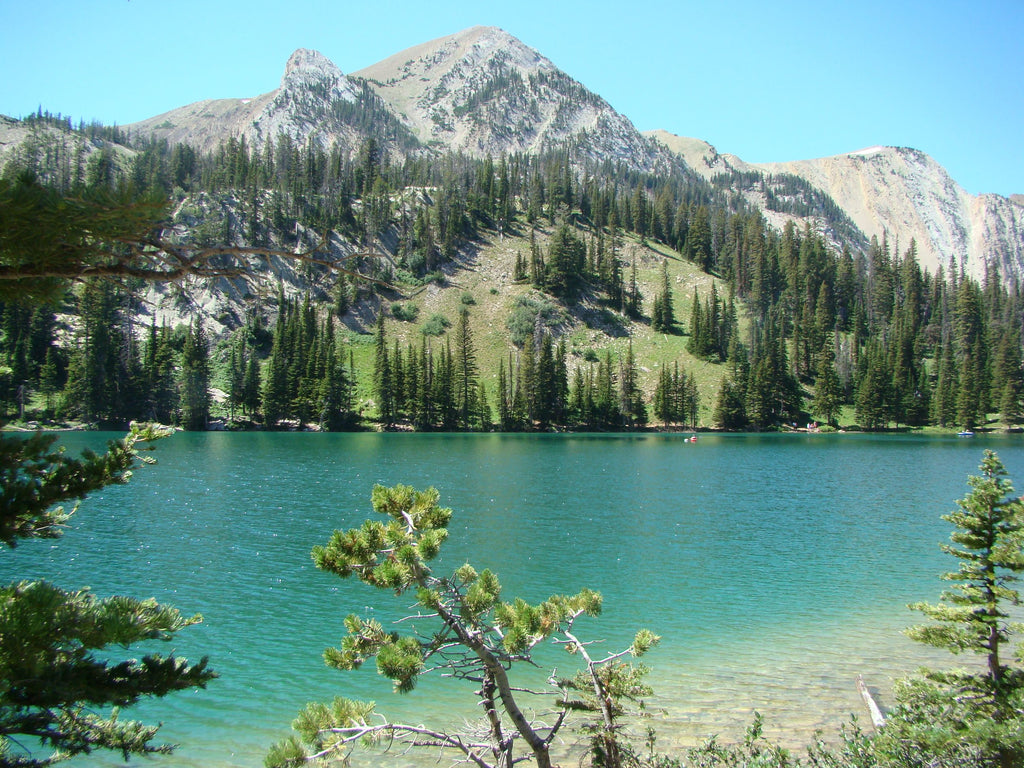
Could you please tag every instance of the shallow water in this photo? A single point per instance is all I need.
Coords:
(776, 568)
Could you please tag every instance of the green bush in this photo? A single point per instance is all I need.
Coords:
(524, 317)
(407, 313)
(436, 325)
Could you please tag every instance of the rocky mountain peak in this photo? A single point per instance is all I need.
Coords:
(307, 69)
(484, 92)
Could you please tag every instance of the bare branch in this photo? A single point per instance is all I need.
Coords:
(415, 733)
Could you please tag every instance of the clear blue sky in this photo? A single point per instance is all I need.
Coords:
(765, 81)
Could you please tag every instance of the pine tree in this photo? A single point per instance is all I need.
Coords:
(564, 263)
(444, 396)
(383, 384)
(874, 393)
(479, 638)
(334, 394)
(159, 378)
(632, 298)
(826, 386)
(663, 400)
(274, 401)
(662, 315)
(504, 399)
(60, 681)
(94, 369)
(545, 388)
(947, 384)
(422, 410)
(482, 416)
(466, 371)
(977, 713)
(195, 379)
(631, 396)
(251, 387)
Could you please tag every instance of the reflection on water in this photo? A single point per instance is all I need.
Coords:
(776, 568)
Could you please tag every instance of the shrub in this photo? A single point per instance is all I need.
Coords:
(436, 325)
(405, 312)
(526, 313)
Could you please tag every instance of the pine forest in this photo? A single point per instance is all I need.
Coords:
(517, 293)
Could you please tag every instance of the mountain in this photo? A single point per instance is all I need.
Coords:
(900, 193)
(315, 101)
(483, 92)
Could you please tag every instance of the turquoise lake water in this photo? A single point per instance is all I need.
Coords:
(777, 568)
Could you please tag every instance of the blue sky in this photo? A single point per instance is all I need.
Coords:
(765, 81)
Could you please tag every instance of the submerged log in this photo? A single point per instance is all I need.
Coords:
(877, 718)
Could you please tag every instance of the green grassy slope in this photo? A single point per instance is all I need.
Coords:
(481, 280)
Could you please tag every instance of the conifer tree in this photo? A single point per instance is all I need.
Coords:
(195, 379)
(275, 382)
(466, 372)
(564, 263)
(874, 394)
(478, 638)
(545, 387)
(95, 372)
(382, 377)
(632, 298)
(444, 388)
(159, 380)
(482, 416)
(946, 387)
(631, 397)
(972, 716)
(504, 399)
(730, 406)
(60, 681)
(662, 315)
(251, 387)
(425, 408)
(334, 394)
(826, 386)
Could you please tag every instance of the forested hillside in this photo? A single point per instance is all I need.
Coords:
(519, 292)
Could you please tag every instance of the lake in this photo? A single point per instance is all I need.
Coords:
(776, 568)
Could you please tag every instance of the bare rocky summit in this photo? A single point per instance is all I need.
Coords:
(483, 92)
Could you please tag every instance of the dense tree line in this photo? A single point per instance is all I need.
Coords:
(538, 387)
(873, 331)
(803, 330)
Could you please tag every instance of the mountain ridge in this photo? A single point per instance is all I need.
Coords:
(896, 192)
(483, 92)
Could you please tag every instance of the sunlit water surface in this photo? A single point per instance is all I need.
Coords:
(776, 568)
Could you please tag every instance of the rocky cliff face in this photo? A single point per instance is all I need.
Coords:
(906, 193)
(902, 193)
